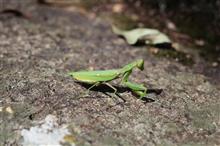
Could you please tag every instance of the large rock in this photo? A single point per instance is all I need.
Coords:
(37, 52)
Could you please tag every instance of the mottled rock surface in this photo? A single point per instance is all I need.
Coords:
(37, 52)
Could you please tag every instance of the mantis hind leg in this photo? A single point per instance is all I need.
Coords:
(115, 93)
(96, 84)
(115, 90)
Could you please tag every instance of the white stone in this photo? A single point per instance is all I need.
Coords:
(47, 133)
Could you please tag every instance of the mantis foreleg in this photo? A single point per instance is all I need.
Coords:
(125, 76)
(139, 89)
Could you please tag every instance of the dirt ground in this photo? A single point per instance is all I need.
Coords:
(39, 49)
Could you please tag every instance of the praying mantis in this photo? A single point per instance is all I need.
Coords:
(98, 77)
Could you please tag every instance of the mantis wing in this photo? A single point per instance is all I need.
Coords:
(95, 76)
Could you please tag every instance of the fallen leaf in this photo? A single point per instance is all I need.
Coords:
(118, 8)
(150, 36)
(1, 109)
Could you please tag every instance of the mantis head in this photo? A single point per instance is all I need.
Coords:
(140, 64)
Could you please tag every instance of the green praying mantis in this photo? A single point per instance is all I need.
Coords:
(98, 77)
